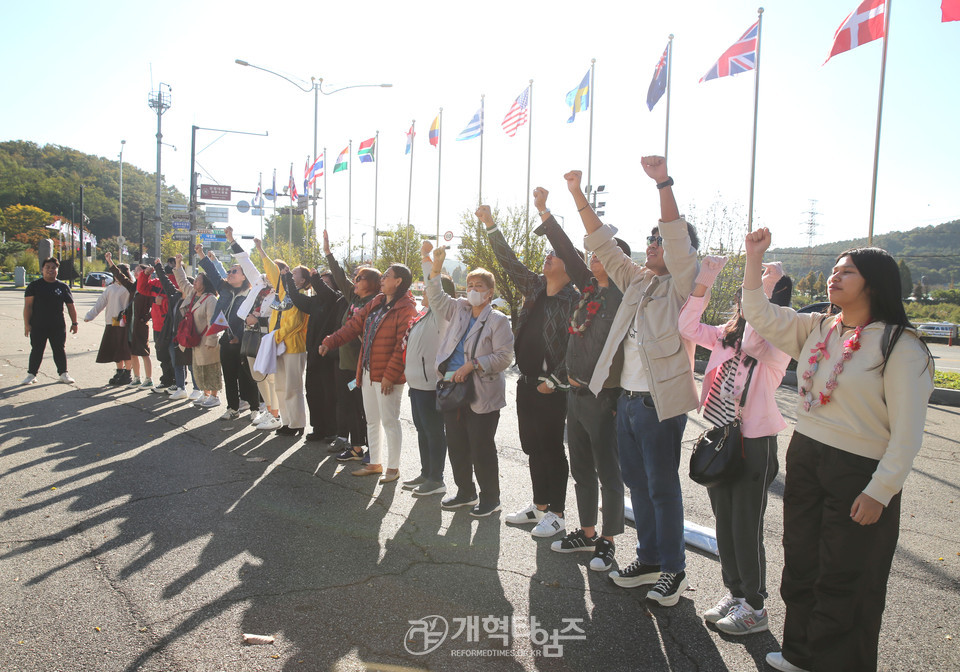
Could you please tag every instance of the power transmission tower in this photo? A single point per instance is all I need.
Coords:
(811, 231)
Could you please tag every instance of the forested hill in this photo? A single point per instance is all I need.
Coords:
(49, 178)
(931, 251)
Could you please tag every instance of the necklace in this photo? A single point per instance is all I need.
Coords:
(819, 353)
(592, 300)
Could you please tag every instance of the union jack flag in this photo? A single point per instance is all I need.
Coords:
(742, 56)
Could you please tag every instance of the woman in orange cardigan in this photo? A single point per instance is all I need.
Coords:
(382, 322)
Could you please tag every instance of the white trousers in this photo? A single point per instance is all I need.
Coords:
(289, 384)
(382, 410)
(267, 387)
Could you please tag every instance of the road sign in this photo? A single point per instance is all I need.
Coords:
(176, 207)
(217, 214)
(215, 192)
(181, 224)
(243, 206)
(210, 238)
(448, 236)
(182, 235)
(257, 212)
(203, 231)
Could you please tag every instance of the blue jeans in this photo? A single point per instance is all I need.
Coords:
(433, 441)
(179, 371)
(649, 462)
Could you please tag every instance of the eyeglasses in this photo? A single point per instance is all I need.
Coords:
(549, 253)
(655, 240)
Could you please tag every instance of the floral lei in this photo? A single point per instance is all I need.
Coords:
(850, 346)
(593, 301)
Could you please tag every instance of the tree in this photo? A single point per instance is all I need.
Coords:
(277, 228)
(918, 291)
(26, 219)
(906, 280)
(393, 246)
(820, 287)
(476, 252)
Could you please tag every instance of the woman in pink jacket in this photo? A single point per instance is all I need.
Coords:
(737, 351)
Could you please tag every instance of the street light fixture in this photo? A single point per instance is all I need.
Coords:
(120, 234)
(316, 85)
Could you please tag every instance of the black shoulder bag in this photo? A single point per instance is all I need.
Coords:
(718, 454)
(452, 395)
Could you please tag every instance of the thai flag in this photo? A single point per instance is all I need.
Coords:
(742, 56)
(315, 171)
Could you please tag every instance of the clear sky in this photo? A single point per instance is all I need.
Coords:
(79, 75)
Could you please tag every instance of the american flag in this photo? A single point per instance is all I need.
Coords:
(517, 114)
(862, 25)
(742, 56)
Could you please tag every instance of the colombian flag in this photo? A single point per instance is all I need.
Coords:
(579, 98)
(435, 131)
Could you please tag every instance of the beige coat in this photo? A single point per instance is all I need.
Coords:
(208, 352)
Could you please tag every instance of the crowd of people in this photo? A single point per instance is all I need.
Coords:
(604, 349)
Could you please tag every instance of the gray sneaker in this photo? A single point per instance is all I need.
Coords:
(428, 488)
(742, 620)
(459, 500)
(413, 483)
(722, 608)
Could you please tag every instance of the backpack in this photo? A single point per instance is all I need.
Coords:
(188, 336)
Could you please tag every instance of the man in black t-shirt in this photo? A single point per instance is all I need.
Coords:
(43, 320)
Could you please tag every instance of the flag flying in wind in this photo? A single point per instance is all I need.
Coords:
(658, 85)
(435, 131)
(258, 198)
(342, 160)
(306, 175)
(474, 129)
(862, 25)
(293, 187)
(315, 171)
(271, 194)
(517, 114)
(218, 325)
(366, 150)
(410, 136)
(950, 9)
(579, 98)
(741, 57)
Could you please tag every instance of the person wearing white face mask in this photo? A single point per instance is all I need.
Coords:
(478, 343)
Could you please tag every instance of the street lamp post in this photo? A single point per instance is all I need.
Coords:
(120, 233)
(316, 85)
(363, 247)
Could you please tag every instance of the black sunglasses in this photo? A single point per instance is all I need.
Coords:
(657, 240)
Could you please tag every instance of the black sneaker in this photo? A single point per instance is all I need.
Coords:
(338, 445)
(635, 574)
(350, 455)
(603, 555)
(668, 589)
(461, 499)
(484, 510)
(575, 541)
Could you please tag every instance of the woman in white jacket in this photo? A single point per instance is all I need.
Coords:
(478, 343)
(115, 345)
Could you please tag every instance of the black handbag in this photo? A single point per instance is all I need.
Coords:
(250, 342)
(452, 395)
(718, 454)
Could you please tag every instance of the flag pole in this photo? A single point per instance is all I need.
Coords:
(876, 145)
(324, 188)
(482, 122)
(349, 201)
(274, 205)
(526, 212)
(376, 178)
(290, 188)
(666, 132)
(439, 156)
(756, 102)
(260, 189)
(406, 235)
(590, 102)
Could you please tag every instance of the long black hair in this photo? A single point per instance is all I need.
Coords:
(881, 277)
(732, 335)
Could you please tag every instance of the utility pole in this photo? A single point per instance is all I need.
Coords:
(160, 101)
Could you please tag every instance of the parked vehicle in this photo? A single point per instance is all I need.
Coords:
(820, 307)
(938, 330)
(98, 279)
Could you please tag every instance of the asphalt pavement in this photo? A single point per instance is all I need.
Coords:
(137, 533)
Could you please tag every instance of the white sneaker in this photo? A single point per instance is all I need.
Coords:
(147, 384)
(257, 417)
(65, 378)
(29, 379)
(778, 662)
(195, 395)
(531, 514)
(134, 382)
(209, 402)
(244, 406)
(229, 414)
(199, 401)
(270, 423)
(549, 525)
(179, 394)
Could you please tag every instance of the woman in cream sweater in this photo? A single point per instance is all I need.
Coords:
(864, 379)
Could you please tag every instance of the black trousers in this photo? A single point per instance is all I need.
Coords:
(57, 336)
(238, 382)
(835, 570)
(473, 450)
(541, 419)
(351, 420)
(163, 355)
(321, 390)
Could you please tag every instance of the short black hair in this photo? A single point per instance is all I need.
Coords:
(51, 260)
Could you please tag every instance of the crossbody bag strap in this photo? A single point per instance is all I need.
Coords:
(746, 386)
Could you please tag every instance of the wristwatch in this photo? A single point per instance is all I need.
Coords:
(545, 211)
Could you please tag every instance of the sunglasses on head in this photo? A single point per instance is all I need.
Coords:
(655, 240)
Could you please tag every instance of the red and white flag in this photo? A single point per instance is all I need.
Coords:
(219, 324)
(862, 25)
(950, 10)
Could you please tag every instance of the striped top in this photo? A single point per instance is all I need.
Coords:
(721, 405)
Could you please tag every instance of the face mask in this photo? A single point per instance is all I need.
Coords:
(476, 298)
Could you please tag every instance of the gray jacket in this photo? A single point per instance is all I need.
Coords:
(667, 357)
(494, 351)
(423, 339)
